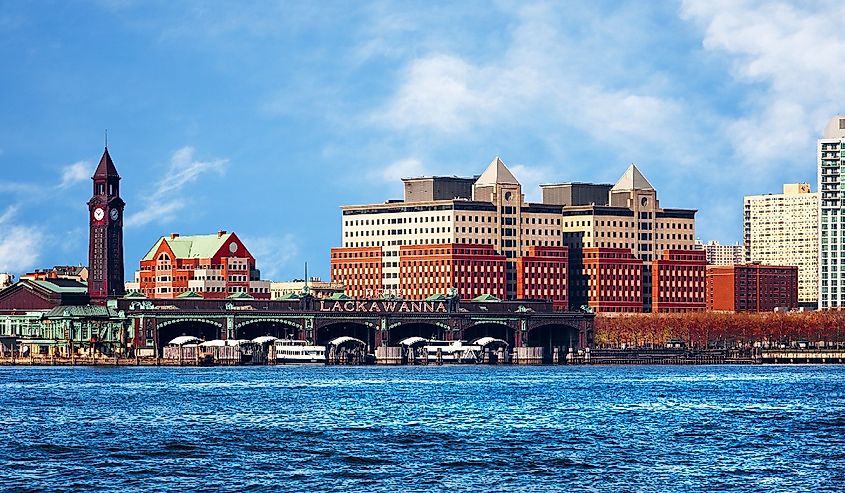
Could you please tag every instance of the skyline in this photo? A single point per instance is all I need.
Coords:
(264, 120)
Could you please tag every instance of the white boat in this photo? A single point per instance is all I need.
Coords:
(295, 351)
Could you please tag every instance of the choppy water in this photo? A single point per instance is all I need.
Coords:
(706, 428)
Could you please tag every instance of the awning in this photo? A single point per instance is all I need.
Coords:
(182, 340)
(265, 339)
(412, 341)
(490, 341)
(337, 341)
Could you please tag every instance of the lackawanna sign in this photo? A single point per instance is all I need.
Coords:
(384, 306)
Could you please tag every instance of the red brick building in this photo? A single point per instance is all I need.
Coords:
(209, 266)
(426, 270)
(360, 269)
(612, 280)
(752, 288)
(678, 281)
(542, 275)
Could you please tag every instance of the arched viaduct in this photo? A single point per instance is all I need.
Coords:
(377, 322)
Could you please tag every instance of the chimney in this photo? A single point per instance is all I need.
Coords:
(173, 236)
(221, 233)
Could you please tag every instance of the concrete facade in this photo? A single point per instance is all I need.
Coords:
(783, 229)
(831, 246)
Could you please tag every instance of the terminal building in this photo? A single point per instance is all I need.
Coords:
(595, 245)
(212, 266)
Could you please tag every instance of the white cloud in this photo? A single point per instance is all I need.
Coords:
(402, 168)
(20, 246)
(272, 253)
(537, 83)
(531, 177)
(168, 197)
(790, 54)
(75, 173)
(440, 92)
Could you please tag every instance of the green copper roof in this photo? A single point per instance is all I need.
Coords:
(339, 296)
(64, 287)
(290, 296)
(486, 297)
(197, 246)
(436, 297)
(135, 294)
(240, 296)
(189, 294)
(81, 311)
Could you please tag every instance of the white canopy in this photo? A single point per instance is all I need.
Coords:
(411, 341)
(264, 339)
(337, 341)
(227, 342)
(486, 341)
(182, 340)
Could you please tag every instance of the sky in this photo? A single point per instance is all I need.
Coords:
(264, 117)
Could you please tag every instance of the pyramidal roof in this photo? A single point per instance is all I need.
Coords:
(632, 180)
(106, 167)
(496, 173)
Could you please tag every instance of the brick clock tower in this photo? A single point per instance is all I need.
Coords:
(105, 239)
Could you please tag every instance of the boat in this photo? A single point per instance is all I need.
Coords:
(297, 351)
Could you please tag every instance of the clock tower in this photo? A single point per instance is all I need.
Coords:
(105, 238)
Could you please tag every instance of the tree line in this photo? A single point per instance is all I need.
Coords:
(716, 329)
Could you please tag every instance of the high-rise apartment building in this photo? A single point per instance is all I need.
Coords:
(783, 229)
(719, 254)
(831, 174)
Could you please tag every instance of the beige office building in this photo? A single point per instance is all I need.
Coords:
(632, 227)
(783, 229)
(487, 211)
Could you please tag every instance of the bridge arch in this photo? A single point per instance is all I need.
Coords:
(267, 326)
(424, 329)
(498, 329)
(553, 335)
(365, 331)
(201, 328)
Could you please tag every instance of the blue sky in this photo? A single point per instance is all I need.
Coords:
(263, 118)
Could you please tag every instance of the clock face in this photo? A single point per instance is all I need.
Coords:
(99, 213)
(233, 247)
(113, 214)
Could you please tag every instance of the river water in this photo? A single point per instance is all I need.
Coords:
(694, 428)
